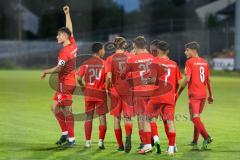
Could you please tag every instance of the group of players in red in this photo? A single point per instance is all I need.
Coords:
(137, 82)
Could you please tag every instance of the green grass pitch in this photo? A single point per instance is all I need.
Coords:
(28, 129)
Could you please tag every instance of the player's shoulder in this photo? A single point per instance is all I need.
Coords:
(146, 55)
(173, 62)
(109, 58)
(190, 61)
(200, 60)
(66, 50)
(203, 60)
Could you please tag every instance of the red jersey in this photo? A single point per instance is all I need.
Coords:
(172, 76)
(93, 71)
(116, 64)
(198, 70)
(140, 65)
(94, 78)
(67, 59)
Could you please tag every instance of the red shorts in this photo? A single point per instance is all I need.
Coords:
(63, 96)
(140, 106)
(196, 106)
(166, 111)
(120, 105)
(99, 106)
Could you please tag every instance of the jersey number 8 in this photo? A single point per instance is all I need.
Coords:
(202, 74)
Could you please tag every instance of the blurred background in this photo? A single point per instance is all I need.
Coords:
(28, 28)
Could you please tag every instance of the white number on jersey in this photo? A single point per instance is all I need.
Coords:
(144, 68)
(121, 66)
(95, 75)
(167, 76)
(202, 74)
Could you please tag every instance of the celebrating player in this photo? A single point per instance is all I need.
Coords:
(164, 105)
(91, 76)
(115, 67)
(66, 81)
(139, 63)
(197, 73)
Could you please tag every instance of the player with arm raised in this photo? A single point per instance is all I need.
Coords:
(92, 74)
(197, 77)
(66, 81)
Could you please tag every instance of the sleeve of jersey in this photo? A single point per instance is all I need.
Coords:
(128, 73)
(82, 70)
(108, 65)
(72, 40)
(103, 77)
(188, 70)
(62, 58)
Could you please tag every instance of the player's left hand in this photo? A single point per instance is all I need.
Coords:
(210, 100)
(151, 80)
(43, 75)
(66, 9)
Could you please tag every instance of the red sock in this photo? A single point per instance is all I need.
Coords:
(118, 134)
(147, 137)
(154, 129)
(102, 131)
(70, 124)
(61, 120)
(128, 129)
(140, 132)
(88, 129)
(199, 125)
(166, 128)
(195, 135)
(172, 138)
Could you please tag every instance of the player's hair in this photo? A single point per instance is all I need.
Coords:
(193, 45)
(155, 42)
(140, 42)
(65, 30)
(162, 45)
(96, 47)
(120, 43)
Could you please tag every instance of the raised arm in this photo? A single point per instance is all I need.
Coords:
(68, 18)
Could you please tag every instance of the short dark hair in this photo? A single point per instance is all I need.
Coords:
(155, 42)
(96, 47)
(193, 45)
(140, 42)
(120, 43)
(65, 30)
(162, 45)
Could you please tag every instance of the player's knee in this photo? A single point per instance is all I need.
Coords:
(102, 119)
(127, 119)
(117, 118)
(89, 117)
(171, 126)
(55, 109)
(195, 115)
(153, 120)
(140, 118)
(67, 111)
